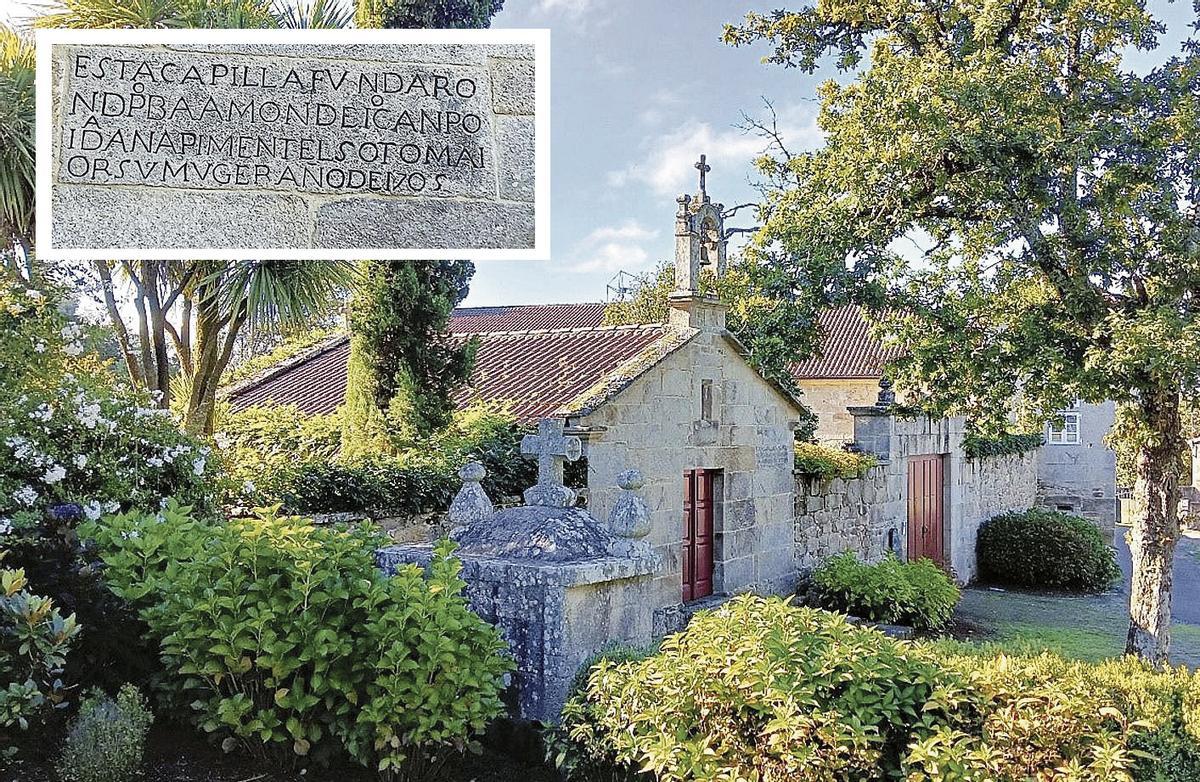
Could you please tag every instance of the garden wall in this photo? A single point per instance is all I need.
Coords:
(869, 515)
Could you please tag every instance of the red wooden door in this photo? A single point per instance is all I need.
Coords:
(697, 534)
(926, 523)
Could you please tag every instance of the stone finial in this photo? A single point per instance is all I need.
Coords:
(630, 516)
(552, 448)
(471, 505)
(887, 396)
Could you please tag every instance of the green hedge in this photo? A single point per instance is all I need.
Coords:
(760, 689)
(1041, 548)
(918, 594)
(284, 639)
(976, 445)
(827, 462)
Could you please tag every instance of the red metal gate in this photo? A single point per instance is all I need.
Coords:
(697, 534)
(926, 525)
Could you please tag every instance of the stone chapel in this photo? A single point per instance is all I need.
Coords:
(677, 401)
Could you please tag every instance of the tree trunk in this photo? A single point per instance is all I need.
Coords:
(1156, 530)
(118, 324)
(158, 333)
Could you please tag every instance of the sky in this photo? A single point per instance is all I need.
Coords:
(639, 89)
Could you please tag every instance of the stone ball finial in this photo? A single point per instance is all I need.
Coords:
(631, 480)
(630, 516)
(887, 396)
(472, 472)
(471, 505)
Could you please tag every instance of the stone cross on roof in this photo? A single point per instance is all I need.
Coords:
(703, 167)
(552, 448)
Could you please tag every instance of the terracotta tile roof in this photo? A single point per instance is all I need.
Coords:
(547, 358)
(848, 350)
(534, 371)
(537, 373)
(523, 317)
(314, 381)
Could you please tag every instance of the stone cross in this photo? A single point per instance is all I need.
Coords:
(703, 168)
(552, 448)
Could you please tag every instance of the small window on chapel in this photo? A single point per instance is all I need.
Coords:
(706, 400)
(1066, 433)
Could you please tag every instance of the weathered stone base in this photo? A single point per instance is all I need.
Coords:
(554, 615)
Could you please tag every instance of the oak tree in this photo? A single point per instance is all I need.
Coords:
(1018, 208)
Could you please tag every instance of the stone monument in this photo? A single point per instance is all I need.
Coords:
(296, 145)
(560, 584)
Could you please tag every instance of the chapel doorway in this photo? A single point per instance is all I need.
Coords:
(698, 546)
(926, 521)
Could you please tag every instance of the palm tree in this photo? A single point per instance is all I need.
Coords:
(16, 149)
(196, 310)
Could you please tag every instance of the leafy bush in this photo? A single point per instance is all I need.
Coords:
(1042, 548)
(759, 689)
(827, 463)
(34, 641)
(1007, 444)
(286, 640)
(918, 594)
(275, 460)
(582, 758)
(108, 738)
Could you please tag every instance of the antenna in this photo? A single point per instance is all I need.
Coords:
(622, 286)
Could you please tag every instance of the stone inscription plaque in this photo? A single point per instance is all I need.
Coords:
(294, 145)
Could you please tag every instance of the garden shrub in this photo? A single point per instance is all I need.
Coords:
(827, 462)
(73, 446)
(1005, 444)
(582, 757)
(284, 639)
(1042, 548)
(918, 594)
(107, 740)
(759, 689)
(34, 641)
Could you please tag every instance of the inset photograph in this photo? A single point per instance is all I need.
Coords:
(159, 143)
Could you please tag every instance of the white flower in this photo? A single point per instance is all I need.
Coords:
(89, 415)
(80, 461)
(39, 347)
(154, 461)
(112, 506)
(92, 510)
(54, 474)
(248, 487)
(70, 331)
(131, 534)
(42, 413)
(198, 465)
(5, 526)
(34, 295)
(73, 348)
(26, 495)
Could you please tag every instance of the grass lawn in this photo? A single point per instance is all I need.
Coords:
(1086, 628)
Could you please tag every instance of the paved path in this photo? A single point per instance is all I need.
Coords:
(1185, 594)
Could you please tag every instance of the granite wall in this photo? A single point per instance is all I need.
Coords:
(868, 515)
(293, 146)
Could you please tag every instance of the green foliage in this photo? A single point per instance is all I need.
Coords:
(1042, 548)
(278, 457)
(34, 641)
(390, 14)
(16, 138)
(827, 462)
(1007, 444)
(1052, 193)
(108, 738)
(284, 639)
(404, 366)
(759, 689)
(584, 758)
(918, 594)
